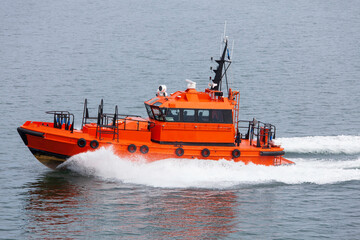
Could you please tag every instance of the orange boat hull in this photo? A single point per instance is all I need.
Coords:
(53, 146)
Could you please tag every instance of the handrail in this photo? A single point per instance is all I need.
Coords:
(108, 123)
(103, 122)
(86, 116)
(263, 132)
(63, 118)
(126, 120)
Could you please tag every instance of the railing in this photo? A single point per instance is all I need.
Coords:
(263, 133)
(125, 119)
(63, 118)
(103, 119)
(235, 95)
(86, 116)
(110, 123)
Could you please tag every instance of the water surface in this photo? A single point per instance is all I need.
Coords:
(296, 63)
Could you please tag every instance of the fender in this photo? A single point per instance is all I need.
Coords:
(272, 154)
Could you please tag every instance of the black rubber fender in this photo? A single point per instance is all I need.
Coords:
(179, 152)
(144, 149)
(236, 153)
(277, 153)
(81, 142)
(94, 144)
(24, 132)
(205, 152)
(132, 148)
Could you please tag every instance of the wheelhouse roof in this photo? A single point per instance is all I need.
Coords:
(191, 98)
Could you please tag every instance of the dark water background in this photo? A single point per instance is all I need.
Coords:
(296, 63)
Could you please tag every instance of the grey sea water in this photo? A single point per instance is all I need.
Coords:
(296, 63)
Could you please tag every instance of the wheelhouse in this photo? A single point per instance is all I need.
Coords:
(184, 115)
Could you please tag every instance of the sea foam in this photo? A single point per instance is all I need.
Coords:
(321, 144)
(194, 173)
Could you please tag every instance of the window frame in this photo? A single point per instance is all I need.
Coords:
(182, 115)
(159, 117)
(148, 110)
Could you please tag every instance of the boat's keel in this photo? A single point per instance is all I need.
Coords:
(51, 160)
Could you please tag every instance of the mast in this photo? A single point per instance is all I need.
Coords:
(221, 70)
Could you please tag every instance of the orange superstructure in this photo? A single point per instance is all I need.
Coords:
(187, 124)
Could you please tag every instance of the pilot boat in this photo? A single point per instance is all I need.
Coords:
(187, 124)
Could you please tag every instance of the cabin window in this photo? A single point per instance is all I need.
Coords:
(173, 115)
(217, 116)
(203, 115)
(221, 116)
(189, 115)
(157, 104)
(228, 118)
(149, 112)
(153, 100)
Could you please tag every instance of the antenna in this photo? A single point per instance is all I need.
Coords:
(232, 57)
(232, 50)
(223, 38)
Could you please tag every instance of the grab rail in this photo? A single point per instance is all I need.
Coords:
(63, 118)
(108, 123)
(263, 132)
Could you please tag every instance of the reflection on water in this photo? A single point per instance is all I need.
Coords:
(71, 206)
(54, 202)
(192, 214)
(66, 205)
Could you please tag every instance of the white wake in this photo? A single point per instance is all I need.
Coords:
(321, 144)
(186, 173)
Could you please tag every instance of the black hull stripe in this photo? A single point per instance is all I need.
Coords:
(41, 152)
(23, 133)
(272, 154)
(195, 143)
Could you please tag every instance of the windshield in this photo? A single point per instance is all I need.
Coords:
(158, 114)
